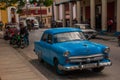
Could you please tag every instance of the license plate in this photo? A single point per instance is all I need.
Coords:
(90, 65)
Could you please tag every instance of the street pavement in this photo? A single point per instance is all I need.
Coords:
(1, 34)
(13, 66)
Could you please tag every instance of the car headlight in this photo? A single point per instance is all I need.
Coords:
(66, 54)
(107, 50)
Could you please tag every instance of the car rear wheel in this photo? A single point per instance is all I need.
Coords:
(40, 58)
(100, 69)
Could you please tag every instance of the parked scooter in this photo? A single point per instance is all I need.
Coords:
(18, 40)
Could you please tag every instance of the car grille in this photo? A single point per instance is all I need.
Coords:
(86, 58)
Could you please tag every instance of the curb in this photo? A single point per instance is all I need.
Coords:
(108, 38)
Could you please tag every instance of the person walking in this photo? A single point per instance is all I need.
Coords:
(110, 24)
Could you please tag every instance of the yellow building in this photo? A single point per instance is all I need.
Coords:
(3, 16)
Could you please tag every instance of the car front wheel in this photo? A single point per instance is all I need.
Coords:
(58, 71)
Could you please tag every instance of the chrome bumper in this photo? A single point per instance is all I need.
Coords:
(85, 66)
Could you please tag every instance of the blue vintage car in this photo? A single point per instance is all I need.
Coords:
(67, 49)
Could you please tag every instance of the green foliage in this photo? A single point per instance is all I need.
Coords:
(33, 1)
(45, 2)
(48, 2)
(7, 3)
(21, 3)
(19, 11)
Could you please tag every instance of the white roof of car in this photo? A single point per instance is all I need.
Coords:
(81, 24)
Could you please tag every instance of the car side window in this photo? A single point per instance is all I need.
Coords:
(44, 37)
(49, 38)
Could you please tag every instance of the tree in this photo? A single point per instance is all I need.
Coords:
(21, 3)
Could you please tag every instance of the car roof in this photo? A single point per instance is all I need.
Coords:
(62, 30)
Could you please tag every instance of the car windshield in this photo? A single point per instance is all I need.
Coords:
(68, 36)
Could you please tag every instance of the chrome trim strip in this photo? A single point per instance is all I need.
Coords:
(87, 59)
(85, 66)
(77, 57)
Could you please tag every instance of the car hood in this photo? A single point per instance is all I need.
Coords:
(81, 48)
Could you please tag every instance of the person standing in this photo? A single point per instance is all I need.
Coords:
(24, 31)
(110, 24)
(32, 24)
(1, 25)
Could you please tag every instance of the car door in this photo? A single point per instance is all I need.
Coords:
(46, 47)
(49, 48)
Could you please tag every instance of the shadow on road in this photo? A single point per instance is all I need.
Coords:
(49, 72)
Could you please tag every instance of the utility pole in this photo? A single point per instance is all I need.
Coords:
(41, 24)
(53, 16)
(40, 19)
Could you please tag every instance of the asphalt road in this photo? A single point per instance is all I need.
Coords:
(109, 73)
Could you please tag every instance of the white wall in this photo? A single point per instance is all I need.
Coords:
(9, 14)
(60, 12)
(74, 11)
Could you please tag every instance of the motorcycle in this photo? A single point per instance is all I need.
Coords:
(18, 40)
(22, 42)
(15, 40)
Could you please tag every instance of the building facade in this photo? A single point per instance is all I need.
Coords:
(94, 12)
(41, 13)
(9, 15)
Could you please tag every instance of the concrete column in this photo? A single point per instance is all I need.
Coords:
(115, 9)
(104, 15)
(92, 13)
(84, 18)
(118, 16)
(57, 12)
(71, 13)
(63, 15)
(78, 12)
(0, 15)
(9, 15)
(74, 11)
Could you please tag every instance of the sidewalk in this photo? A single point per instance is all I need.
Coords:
(107, 38)
(13, 66)
(1, 34)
